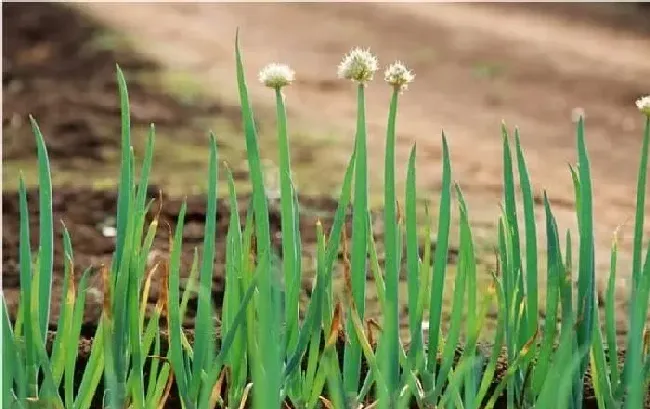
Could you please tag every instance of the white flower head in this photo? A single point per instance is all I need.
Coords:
(398, 75)
(276, 75)
(644, 105)
(358, 65)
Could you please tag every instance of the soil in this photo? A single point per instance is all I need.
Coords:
(470, 72)
(533, 66)
(83, 212)
(52, 71)
(79, 117)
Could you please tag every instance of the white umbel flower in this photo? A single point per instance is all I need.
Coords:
(276, 75)
(644, 105)
(358, 65)
(398, 75)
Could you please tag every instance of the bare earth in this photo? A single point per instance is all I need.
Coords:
(475, 66)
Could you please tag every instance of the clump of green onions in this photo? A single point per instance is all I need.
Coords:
(259, 346)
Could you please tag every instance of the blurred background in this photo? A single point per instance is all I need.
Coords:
(533, 66)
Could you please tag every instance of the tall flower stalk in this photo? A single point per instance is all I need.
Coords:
(397, 76)
(358, 66)
(277, 76)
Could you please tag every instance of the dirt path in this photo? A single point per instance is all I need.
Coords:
(475, 64)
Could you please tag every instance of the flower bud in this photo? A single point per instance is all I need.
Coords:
(276, 75)
(398, 76)
(644, 105)
(359, 66)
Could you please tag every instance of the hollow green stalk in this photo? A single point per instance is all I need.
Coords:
(532, 293)
(25, 260)
(352, 354)
(412, 260)
(46, 231)
(440, 260)
(290, 256)
(390, 359)
(638, 271)
(586, 263)
(640, 205)
(265, 375)
(204, 346)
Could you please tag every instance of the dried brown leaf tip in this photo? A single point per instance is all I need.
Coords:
(326, 402)
(164, 293)
(527, 346)
(156, 218)
(336, 327)
(372, 328)
(347, 273)
(106, 281)
(400, 217)
(253, 248)
(215, 396)
(70, 294)
(170, 235)
(244, 398)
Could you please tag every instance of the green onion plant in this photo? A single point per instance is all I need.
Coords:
(252, 349)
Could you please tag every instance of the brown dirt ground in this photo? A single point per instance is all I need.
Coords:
(531, 65)
(80, 116)
(75, 103)
(73, 99)
(80, 120)
(531, 69)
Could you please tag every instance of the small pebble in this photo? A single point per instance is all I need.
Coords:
(109, 231)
